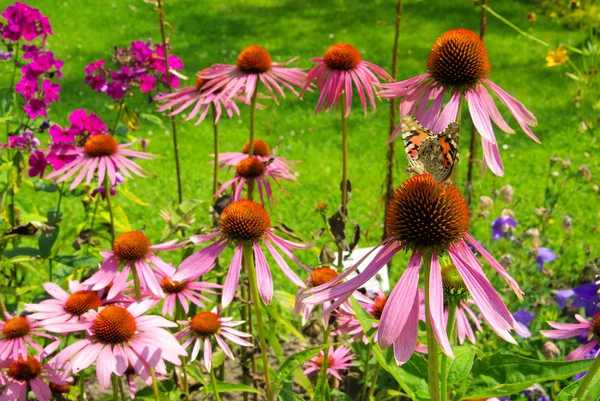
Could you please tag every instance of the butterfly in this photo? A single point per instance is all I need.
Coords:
(429, 153)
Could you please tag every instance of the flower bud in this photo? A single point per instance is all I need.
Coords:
(507, 193)
(486, 203)
(585, 172)
(550, 350)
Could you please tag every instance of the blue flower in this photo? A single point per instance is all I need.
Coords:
(502, 227)
(544, 255)
(586, 296)
(523, 318)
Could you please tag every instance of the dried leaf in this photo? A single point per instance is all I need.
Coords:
(82, 238)
(318, 233)
(337, 225)
(327, 255)
(288, 231)
(348, 189)
(355, 237)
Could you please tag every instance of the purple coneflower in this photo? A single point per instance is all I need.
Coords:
(184, 291)
(28, 372)
(102, 154)
(253, 64)
(589, 329)
(243, 221)
(426, 217)
(337, 359)
(118, 337)
(459, 65)
(341, 68)
(16, 335)
(204, 327)
(319, 276)
(133, 250)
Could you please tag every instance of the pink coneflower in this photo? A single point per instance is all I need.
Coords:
(204, 327)
(16, 335)
(425, 216)
(65, 307)
(133, 250)
(252, 169)
(184, 291)
(459, 65)
(101, 154)
(262, 151)
(591, 329)
(118, 337)
(337, 359)
(242, 221)
(318, 276)
(185, 97)
(340, 68)
(253, 64)
(465, 315)
(27, 372)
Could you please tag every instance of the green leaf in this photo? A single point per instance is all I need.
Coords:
(77, 261)
(294, 362)
(502, 374)
(289, 327)
(46, 242)
(45, 186)
(460, 366)
(223, 387)
(131, 196)
(287, 395)
(30, 252)
(591, 394)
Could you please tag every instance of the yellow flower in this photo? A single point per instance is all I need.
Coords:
(531, 17)
(556, 57)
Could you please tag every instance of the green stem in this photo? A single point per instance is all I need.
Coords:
(122, 389)
(54, 222)
(325, 363)
(216, 149)
(587, 379)
(248, 262)
(136, 283)
(115, 388)
(107, 185)
(344, 173)
(161, 21)
(454, 175)
(81, 383)
(251, 141)
(516, 28)
(119, 113)
(213, 382)
(154, 384)
(186, 385)
(374, 380)
(2, 309)
(432, 346)
(445, 358)
(366, 373)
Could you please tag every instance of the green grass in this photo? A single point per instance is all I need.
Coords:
(214, 32)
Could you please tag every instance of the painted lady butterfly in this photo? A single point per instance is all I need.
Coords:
(429, 153)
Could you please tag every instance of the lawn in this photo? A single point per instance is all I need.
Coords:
(205, 33)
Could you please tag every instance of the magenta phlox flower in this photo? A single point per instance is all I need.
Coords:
(37, 163)
(23, 21)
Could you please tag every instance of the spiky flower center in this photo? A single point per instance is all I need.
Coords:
(320, 358)
(244, 220)
(261, 148)
(425, 214)
(114, 325)
(80, 302)
(458, 59)
(131, 246)
(172, 287)
(322, 275)
(455, 289)
(25, 369)
(59, 389)
(16, 327)
(378, 307)
(595, 326)
(101, 145)
(206, 323)
(254, 60)
(342, 56)
(250, 167)
(199, 80)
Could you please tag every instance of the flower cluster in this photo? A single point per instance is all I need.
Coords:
(24, 22)
(140, 65)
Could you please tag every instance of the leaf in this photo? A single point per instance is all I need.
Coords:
(130, 118)
(327, 255)
(22, 229)
(46, 242)
(131, 196)
(153, 119)
(287, 395)
(318, 233)
(337, 225)
(503, 374)
(77, 261)
(45, 186)
(592, 393)
(295, 361)
(30, 252)
(289, 327)
(460, 366)
(223, 387)
(355, 237)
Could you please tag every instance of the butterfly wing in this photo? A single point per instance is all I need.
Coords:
(413, 135)
(440, 153)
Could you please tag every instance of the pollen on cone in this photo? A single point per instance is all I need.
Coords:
(250, 167)
(342, 56)
(322, 275)
(458, 59)
(254, 60)
(244, 220)
(80, 302)
(261, 148)
(131, 246)
(25, 369)
(427, 214)
(378, 307)
(595, 326)
(101, 145)
(114, 325)
(16, 327)
(206, 323)
(172, 287)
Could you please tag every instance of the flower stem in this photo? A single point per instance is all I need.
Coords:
(248, 262)
(154, 384)
(391, 152)
(115, 387)
(363, 395)
(374, 380)
(344, 173)
(81, 383)
(161, 20)
(432, 346)
(251, 141)
(213, 382)
(2, 309)
(122, 388)
(136, 283)
(186, 385)
(110, 211)
(516, 28)
(325, 363)
(216, 149)
(445, 358)
(587, 379)
(454, 175)
(54, 222)
(119, 112)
